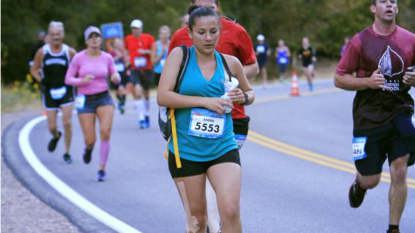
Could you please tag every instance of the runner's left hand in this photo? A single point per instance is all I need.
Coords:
(115, 78)
(236, 95)
(409, 78)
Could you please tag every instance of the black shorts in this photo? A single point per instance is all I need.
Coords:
(282, 68)
(391, 141)
(57, 100)
(157, 79)
(240, 129)
(191, 168)
(142, 77)
(262, 63)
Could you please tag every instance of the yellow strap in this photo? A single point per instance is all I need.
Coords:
(174, 136)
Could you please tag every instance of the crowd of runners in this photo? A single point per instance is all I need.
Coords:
(207, 76)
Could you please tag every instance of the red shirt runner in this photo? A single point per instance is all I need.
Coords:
(133, 44)
(366, 52)
(233, 40)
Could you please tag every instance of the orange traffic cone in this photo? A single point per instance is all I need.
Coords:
(295, 91)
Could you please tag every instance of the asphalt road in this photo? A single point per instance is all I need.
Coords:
(297, 169)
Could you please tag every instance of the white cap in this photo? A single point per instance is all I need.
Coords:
(90, 30)
(260, 37)
(136, 23)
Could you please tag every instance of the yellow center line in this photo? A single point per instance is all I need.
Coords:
(309, 155)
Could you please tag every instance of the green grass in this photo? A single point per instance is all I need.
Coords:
(20, 96)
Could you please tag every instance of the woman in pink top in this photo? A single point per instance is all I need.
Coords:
(89, 71)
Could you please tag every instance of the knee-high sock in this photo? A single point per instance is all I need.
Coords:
(147, 107)
(104, 150)
(140, 109)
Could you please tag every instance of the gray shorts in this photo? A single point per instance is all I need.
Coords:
(92, 102)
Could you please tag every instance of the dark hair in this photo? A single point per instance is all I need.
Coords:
(195, 12)
(216, 2)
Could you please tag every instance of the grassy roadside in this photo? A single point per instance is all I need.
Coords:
(24, 96)
(20, 96)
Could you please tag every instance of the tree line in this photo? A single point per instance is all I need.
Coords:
(325, 22)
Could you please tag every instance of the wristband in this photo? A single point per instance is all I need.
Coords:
(246, 99)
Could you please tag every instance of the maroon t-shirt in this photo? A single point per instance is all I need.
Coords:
(394, 54)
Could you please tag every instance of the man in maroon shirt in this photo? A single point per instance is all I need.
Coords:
(235, 41)
(375, 64)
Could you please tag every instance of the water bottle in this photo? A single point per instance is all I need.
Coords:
(229, 86)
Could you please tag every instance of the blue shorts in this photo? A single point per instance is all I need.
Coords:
(92, 102)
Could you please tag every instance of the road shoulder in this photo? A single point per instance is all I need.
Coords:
(21, 210)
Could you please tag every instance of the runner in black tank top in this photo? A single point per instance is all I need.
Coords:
(53, 60)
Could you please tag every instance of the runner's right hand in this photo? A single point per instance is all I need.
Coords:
(216, 104)
(88, 78)
(377, 80)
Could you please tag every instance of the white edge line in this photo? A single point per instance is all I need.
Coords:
(63, 188)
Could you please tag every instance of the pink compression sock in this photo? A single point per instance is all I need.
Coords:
(104, 150)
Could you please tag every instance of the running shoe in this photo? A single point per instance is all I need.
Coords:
(54, 141)
(356, 195)
(87, 156)
(101, 175)
(142, 124)
(67, 158)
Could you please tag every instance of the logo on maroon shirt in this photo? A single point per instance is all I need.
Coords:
(391, 64)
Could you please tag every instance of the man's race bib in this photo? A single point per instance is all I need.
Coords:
(58, 93)
(140, 62)
(283, 60)
(80, 102)
(119, 66)
(206, 124)
(359, 148)
(162, 61)
(260, 49)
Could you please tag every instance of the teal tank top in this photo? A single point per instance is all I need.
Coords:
(158, 68)
(196, 148)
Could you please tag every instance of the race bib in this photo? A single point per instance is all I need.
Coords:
(260, 49)
(80, 102)
(162, 61)
(283, 60)
(359, 148)
(140, 62)
(119, 66)
(206, 124)
(58, 93)
(240, 139)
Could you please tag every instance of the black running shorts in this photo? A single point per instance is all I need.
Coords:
(54, 98)
(191, 168)
(391, 141)
(142, 77)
